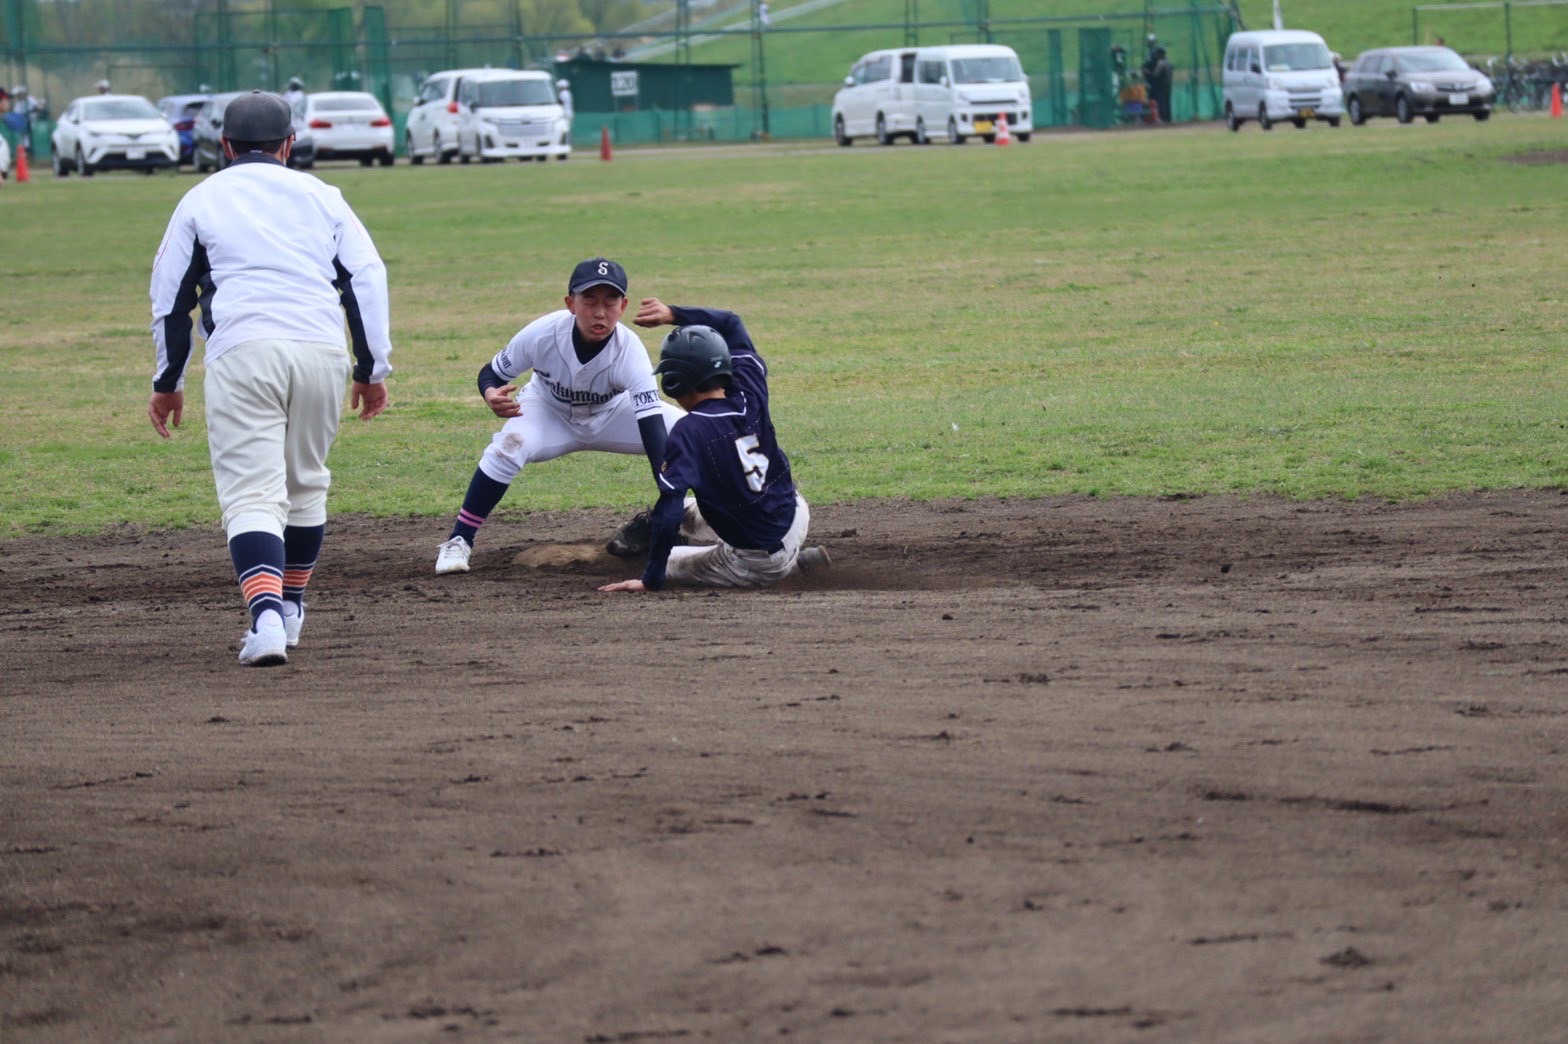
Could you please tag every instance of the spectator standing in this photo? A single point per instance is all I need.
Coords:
(1157, 74)
(563, 91)
(295, 95)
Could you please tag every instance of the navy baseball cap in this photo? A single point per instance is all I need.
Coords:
(257, 116)
(597, 271)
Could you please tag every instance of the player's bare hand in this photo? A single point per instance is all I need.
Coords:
(654, 312)
(625, 585)
(503, 400)
(165, 409)
(368, 399)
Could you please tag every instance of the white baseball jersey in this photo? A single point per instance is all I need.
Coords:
(581, 393)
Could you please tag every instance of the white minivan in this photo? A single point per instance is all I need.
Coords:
(492, 114)
(960, 90)
(1273, 75)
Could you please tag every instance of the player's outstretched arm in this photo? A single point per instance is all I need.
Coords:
(654, 312)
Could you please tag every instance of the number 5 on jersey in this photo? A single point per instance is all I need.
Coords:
(753, 462)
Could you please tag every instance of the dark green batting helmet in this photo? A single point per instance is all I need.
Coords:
(689, 356)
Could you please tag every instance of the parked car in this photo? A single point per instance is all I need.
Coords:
(207, 137)
(349, 125)
(431, 129)
(1274, 75)
(112, 131)
(1406, 82)
(180, 111)
(505, 113)
(957, 90)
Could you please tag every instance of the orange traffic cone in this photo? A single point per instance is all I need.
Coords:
(1003, 136)
(604, 144)
(22, 173)
(1557, 100)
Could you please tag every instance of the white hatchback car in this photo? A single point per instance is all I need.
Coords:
(112, 131)
(349, 125)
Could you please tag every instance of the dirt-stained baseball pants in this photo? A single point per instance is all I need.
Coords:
(720, 565)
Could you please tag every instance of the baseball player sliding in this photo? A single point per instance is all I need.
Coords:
(747, 523)
(592, 388)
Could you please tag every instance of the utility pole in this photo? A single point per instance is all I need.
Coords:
(759, 56)
(1279, 19)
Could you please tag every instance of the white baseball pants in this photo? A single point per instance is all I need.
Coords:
(272, 415)
(542, 432)
(720, 565)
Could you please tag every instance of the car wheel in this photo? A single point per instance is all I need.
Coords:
(1353, 106)
(563, 157)
(883, 137)
(1483, 115)
(58, 163)
(83, 168)
(953, 137)
(921, 137)
(1024, 137)
(408, 149)
(839, 136)
(1332, 121)
(1263, 118)
(1432, 117)
(1300, 122)
(1232, 124)
(1402, 111)
(387, 159)
(442, 156)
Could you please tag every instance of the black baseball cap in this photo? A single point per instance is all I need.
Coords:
(597, 271)
(257, 116)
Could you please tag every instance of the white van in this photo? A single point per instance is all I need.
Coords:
(958, 91)
(1273, 75)
(492, 114)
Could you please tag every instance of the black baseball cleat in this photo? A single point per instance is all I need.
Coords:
(633, 538)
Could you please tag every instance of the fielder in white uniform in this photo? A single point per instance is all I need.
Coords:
(278, 262)
(592, 388)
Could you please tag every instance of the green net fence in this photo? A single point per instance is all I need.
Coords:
(785, 60)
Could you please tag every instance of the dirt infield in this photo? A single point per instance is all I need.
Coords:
(1053, 770)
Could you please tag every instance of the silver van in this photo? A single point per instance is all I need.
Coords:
(1274, 75)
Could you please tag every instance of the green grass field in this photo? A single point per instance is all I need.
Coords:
(1373, 311)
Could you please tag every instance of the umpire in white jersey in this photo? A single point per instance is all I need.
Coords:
(277, 261)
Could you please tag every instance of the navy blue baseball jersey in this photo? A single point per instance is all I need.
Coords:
(726, 453)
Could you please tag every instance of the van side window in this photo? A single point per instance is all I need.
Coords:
(906, 68)
(879, 69)
(930, 72)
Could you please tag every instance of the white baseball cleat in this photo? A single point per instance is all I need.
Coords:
(293, 623)
(452, 556)
(266, 643)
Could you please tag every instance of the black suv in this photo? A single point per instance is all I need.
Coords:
(1406, 82)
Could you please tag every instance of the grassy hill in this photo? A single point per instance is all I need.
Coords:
(817, 48)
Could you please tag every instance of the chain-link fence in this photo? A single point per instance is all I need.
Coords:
(786, 63)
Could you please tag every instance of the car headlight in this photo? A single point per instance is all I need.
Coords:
(1484, 86)
(1421, 87)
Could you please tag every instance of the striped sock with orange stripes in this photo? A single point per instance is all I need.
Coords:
(258, 562)
(301, 548)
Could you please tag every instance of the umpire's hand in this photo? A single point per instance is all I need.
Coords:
(165, 410)
(368, 399)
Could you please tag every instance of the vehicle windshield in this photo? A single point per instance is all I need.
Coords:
(496, 93)
(1001, 69)
(120, 109)
(347, 103)
(1432, 61)
(1296, 57)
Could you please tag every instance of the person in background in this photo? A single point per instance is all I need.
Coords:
(563, 90)
(295, 95)
(1157, 73)
(103, 86)
(5, 134)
